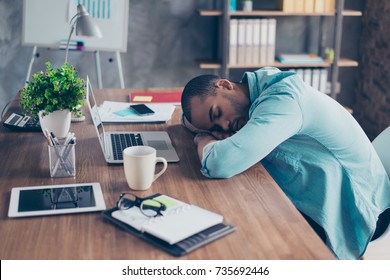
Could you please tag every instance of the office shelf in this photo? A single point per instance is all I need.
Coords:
(213, 13)
(225, 15)
(217, 64)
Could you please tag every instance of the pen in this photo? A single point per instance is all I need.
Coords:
(63, 155)
(69, 147)
(47, 135)
(54, 139)
(60, 161)
(69, 138)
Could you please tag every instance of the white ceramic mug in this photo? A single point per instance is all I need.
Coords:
(139, 163)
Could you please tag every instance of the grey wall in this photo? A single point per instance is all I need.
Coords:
(165, 37)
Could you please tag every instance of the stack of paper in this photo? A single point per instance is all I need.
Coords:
(119, 112)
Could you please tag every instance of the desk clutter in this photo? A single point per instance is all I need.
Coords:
(22, 123)
(120, 112)
(175, 226)
(62, 159)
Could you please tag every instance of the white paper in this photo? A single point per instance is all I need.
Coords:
(115, 112)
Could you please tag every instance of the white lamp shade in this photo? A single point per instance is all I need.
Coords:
(85, 26)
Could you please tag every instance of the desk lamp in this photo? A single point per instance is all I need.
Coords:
(84, 25)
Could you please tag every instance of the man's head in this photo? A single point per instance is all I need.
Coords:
(215, 104)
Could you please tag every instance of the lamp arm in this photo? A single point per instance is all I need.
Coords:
(67, 43)
(72, 22)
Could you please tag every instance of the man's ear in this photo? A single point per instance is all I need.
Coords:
(224, 84)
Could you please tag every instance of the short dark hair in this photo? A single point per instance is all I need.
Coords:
(201, 86)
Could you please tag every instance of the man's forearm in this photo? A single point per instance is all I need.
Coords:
(201, 140)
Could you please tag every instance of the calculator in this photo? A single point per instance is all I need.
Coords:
(22, 123)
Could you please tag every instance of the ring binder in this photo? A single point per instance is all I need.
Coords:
(181, 229)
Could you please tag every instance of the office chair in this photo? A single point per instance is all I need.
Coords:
(379, 249)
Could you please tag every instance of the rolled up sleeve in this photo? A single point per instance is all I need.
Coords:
(273, 119)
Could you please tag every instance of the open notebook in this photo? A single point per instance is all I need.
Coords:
(181, 229)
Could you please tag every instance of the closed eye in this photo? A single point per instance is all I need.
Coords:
(214, 113)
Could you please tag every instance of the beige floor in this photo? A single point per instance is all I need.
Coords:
(379, 249)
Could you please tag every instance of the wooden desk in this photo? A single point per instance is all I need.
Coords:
(268, 225)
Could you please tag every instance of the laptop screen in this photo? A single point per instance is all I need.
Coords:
(93, 108)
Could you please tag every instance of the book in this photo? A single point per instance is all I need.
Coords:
(323, 80)
(309, 6)
(307, 75)
(287, 6)
(248, 42)
(241, 41)
(299, 6)
(256, 41)
(315, 80)
(299, 58)
(263, 40)
(271, 41)
(312, 76)
(329, 6)
(233, 42)
(182, 227)
(155, 97)
(319, 6)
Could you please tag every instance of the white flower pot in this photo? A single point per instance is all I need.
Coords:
(57, 122)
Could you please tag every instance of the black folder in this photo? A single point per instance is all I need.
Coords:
(182, 247)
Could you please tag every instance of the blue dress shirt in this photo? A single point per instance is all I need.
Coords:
(316, 152)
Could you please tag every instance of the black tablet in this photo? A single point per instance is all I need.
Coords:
(55, 199)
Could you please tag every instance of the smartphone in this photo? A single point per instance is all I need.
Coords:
(142, 109)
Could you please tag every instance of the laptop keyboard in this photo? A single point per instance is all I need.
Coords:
(122, 141)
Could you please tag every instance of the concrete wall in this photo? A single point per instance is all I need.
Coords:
(165, 37)
(372, 108)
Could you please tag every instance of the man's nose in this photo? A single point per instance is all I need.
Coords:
(225, 125)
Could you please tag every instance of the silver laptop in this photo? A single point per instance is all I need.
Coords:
(114, 142)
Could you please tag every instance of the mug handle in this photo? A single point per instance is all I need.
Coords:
(163, 161)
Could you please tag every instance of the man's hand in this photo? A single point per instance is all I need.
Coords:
(221, 135)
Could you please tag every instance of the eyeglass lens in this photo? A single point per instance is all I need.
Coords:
(149, 207)
(126, 201)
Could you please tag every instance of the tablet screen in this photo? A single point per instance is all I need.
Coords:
(56, 198)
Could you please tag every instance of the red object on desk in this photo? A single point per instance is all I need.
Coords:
(155, 97)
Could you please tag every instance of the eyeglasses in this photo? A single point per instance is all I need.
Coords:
(148, 206)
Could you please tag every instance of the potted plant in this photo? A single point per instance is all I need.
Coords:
(53, 96)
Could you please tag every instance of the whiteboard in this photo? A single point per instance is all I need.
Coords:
(47, 22)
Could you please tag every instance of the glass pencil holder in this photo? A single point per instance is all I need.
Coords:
(62, 160)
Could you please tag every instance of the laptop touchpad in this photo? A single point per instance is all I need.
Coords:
(158, 145)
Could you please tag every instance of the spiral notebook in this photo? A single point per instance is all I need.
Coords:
(181, 229)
